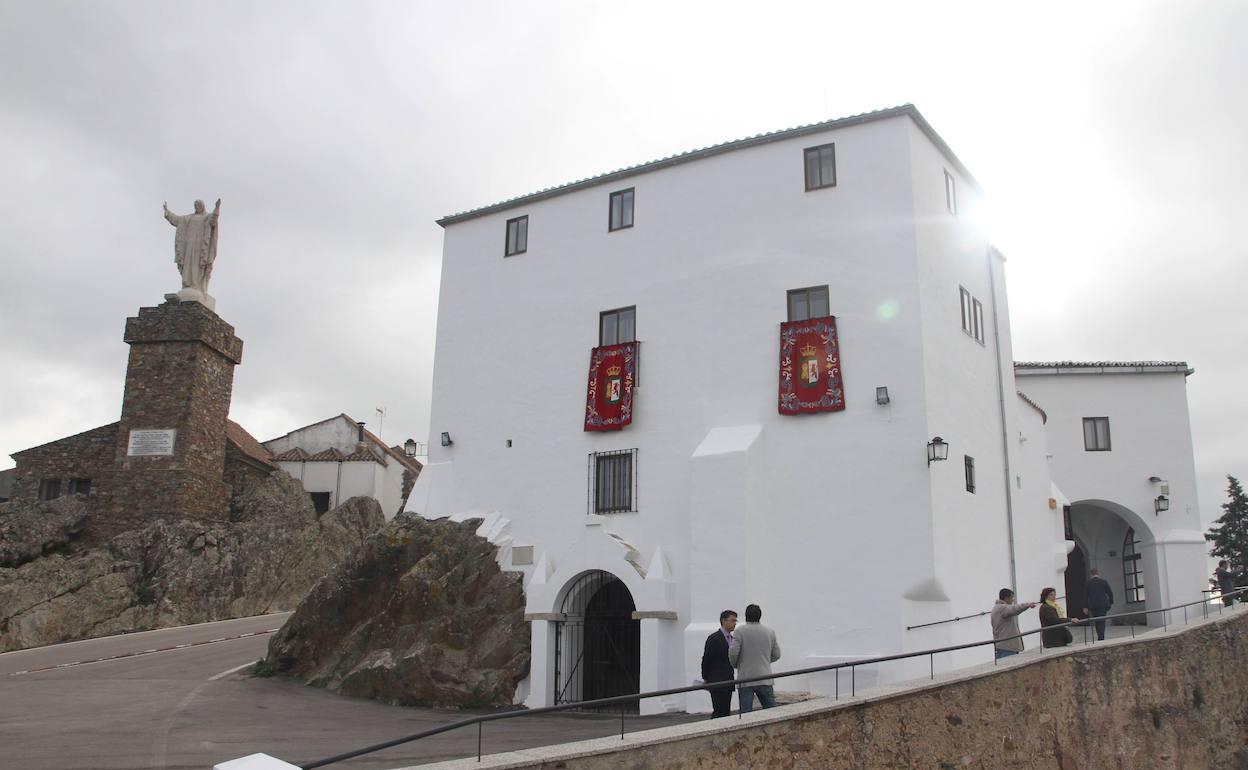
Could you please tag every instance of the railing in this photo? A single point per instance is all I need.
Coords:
(852, 665)
(956, 619)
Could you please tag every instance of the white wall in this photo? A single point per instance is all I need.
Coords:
(716, 245)
(1150, 435)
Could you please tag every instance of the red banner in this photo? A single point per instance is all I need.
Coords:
(612, 374)
(810, 367)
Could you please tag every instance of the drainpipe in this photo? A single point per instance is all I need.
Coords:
(1005, 437)
(338, 485)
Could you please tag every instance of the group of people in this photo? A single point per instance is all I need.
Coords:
(1007, 639)
(750, 649)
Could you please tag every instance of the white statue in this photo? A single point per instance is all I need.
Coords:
(195, 249)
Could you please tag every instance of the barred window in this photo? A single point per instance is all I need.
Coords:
(1132, 572)
(613, 481)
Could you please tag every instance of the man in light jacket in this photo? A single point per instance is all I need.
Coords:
(1005, 624)
(753, 650)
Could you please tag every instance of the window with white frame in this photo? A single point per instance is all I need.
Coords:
(1096, 434)
(613, 482)
(951, 193)
(811, 302)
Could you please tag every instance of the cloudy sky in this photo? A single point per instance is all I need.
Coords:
(1110, 139)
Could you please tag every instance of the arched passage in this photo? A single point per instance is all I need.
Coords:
(1117, 541)
(597, 641)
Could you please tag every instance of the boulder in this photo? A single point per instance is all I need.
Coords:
(176, 570)
(29, 530)
(421, 614)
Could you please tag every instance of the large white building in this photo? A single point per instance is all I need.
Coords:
(632, 541)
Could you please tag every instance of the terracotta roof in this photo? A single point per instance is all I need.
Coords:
(1044, 416)
(1101, 367)
(716, 149)
(327, 455)
(247, 443)
(395, 452)
(291, 455)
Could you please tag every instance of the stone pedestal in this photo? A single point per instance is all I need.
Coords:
(169, 456)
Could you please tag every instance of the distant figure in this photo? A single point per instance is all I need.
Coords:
(1005, 633)
(1098, 597)
(195, 244)
(1052, 614)
(715, 665)
(1226, 582)
(753, 650)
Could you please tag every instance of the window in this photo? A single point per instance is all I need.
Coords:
(320, 501)
(79, 486)
(621, 210)
(951, 193)
(972, 315)
(1132, 574)
(613, 481)
(1096, 434)
(820, 167)
(49, 489)
(968, 463)
(808, 303)
(616, 326)
(1068, 527)
(517, 236)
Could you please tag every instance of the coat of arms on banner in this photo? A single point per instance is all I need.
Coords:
(612, 377)
(810, 367)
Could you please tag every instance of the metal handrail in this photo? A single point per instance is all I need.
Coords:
(956, 619)
(621, 700)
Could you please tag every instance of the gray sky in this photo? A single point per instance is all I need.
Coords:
(1110, 139)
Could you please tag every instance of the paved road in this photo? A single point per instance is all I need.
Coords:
(172, 709)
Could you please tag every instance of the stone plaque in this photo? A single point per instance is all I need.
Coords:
(151, 442)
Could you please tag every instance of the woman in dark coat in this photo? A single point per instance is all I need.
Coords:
(1052, 614)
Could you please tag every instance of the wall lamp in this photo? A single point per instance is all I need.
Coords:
(881, 395)
(937, 450)
(409, 447)
(1162, 503)
(446, 439)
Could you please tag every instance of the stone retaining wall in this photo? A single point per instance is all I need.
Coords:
(1172, 700)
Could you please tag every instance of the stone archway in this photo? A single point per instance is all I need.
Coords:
(597, 641)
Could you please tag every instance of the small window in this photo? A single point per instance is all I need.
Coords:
(951, 193)
(968, 463)
(972, 315)
(320, 501)
(79, 487)
(1096, 434)
(1068, 527)
(613, 482)
(49, 489)
(1132, 572)
(617, 326)
(805, 304)
(978, 331)
(517, 236)
(621, 210)
(820, 166)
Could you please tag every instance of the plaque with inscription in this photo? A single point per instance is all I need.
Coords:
(151, 443)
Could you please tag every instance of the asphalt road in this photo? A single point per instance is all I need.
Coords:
(178, 708)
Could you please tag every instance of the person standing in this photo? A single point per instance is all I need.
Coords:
(1052, 614)
(1098, 597)
(715, 664)
(1226, 582)
(1004, 617)
(752, 652)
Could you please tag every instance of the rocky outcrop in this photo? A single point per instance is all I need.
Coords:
(420, 615)
(173, 571)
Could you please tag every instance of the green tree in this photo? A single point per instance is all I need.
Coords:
(1229, 533)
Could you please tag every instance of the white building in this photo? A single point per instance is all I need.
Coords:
(836, 523)
(337, 459)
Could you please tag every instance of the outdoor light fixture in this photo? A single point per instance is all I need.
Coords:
(937, 450)
(446, 439)
(881, 395)
(1162, 503)
(409, 447)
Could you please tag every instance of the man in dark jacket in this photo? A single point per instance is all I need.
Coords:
(1098, 597)
(1226, 582)
(715, 664)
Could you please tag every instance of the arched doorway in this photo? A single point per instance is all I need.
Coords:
(597, 643)
(1076, 580)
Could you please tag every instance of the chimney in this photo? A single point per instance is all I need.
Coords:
(359, 438)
